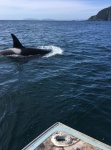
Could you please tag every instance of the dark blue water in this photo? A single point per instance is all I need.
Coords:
(72, 86)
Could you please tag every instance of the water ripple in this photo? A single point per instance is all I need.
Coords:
(72, 87)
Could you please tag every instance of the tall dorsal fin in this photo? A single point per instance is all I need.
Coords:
(16, 42)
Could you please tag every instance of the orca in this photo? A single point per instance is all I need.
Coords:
(19, 49)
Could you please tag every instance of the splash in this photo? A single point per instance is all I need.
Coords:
(54, 50)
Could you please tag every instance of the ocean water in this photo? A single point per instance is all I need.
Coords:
(71, 85)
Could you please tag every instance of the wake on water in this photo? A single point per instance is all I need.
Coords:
(54, 50)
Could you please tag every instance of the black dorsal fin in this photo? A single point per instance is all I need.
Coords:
(16, 42)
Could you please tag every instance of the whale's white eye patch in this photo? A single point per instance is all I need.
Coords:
(16, 50)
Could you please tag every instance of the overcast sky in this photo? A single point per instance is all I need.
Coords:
(51, 9)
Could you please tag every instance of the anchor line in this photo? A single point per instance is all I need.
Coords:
(89, 111)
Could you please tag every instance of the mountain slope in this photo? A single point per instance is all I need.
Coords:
(103, 15)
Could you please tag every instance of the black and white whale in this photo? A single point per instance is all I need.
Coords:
(19, 49)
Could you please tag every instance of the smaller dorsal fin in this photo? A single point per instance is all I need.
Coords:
(16, 42)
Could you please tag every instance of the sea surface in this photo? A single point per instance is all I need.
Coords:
(71, 85)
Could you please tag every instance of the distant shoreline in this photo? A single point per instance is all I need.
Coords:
(45, 20)
(41, 20)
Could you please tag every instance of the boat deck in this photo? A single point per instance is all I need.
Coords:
(77, 144)
(62, 137)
